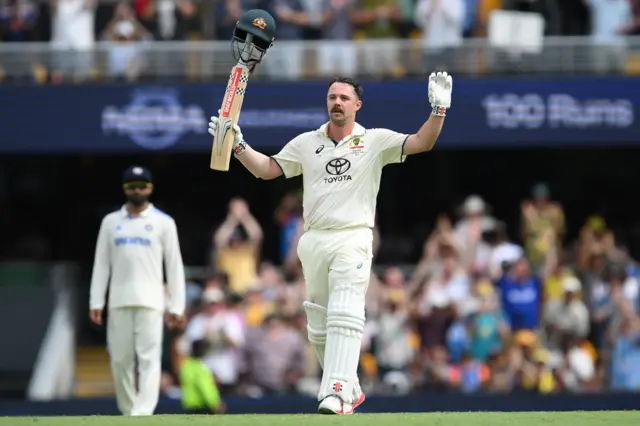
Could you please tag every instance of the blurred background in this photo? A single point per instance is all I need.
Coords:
(505, 259)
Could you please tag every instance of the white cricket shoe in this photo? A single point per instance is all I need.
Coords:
(334, 405)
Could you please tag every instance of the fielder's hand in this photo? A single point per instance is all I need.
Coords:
(239, 144)
(440, 88)
(96, 316)
(175, 321)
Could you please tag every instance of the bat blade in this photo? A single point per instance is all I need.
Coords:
(229, 116)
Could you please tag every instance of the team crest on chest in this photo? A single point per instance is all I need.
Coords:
(356, 146)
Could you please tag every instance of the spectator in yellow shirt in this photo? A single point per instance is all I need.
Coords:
(238, 243)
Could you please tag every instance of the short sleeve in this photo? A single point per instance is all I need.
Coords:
(289, 159)
(390, 146)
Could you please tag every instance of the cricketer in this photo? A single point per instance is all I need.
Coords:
(132, 244)
(341, 165)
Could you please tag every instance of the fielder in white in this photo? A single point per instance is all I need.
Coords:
(341, 163)
(132, 244)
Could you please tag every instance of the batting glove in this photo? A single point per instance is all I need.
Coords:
(239, 145)
(440, 88)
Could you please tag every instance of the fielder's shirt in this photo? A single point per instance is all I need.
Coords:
(129, 256)
(341, 179)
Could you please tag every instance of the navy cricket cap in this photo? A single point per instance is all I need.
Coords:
(136, 174)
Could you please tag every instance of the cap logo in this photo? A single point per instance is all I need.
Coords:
(260, 23)
(137, 170)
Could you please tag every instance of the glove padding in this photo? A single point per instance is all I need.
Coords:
(440, 88)
(238, 139)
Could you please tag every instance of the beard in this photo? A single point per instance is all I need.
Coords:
(137, 200)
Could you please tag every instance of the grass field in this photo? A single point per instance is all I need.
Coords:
(582, 418)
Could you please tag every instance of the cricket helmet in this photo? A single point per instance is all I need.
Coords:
(254, 33)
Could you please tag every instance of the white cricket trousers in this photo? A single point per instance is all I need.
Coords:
(330, 258)
(131, 332)
(337, 269)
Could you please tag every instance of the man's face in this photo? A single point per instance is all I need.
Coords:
(342, 103)
(521, 268)
(212, 308)
(138, 193)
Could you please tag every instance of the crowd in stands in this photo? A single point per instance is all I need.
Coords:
(486, 309)
(74, 26)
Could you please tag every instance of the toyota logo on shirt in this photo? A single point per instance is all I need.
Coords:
(337, 169)
(338, 166)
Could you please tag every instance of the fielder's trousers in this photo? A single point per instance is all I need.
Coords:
(131, 332)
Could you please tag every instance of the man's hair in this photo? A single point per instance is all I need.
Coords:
(199, 348)
(351, 82)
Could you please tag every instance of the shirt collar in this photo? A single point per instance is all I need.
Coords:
(143, 213)
(358, 130)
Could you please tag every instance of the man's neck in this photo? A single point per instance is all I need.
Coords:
(136, 210)
(337, 133)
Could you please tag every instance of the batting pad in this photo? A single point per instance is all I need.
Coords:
(345, 325)
(317, 328)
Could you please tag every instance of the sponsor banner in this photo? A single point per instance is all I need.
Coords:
(526, 113)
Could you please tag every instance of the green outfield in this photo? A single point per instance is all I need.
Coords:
(582, 418)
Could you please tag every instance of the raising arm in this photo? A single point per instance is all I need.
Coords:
(440, 88)
(262, 166)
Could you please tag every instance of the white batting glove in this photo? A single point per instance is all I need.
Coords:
(440, 88)
(239, 145)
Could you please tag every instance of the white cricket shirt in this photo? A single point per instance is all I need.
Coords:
(341, 179)
(129, 257)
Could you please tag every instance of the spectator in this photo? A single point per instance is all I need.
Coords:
(488, 326)
(228, 12)
(392, 336)
(288, 217)
(503, 252)
(440, 241)
(450, 278)
(238, 243)
(557, 271)
(442, 25)
(610, 303)
(73, 37)
(435, 314)
(543, 226)
(521, 296)
(125, 33)
(469, 230)
(570, 320)
(379, 20)
(337, 52)
(274, 357)
(18, 19)
(625, 374)
(595, 239)
(254, 307)
(200, 394)
(169, 19)
(288, 63)
(225, 337)
(611, 20)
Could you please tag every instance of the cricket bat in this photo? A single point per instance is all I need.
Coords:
(229, 116)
